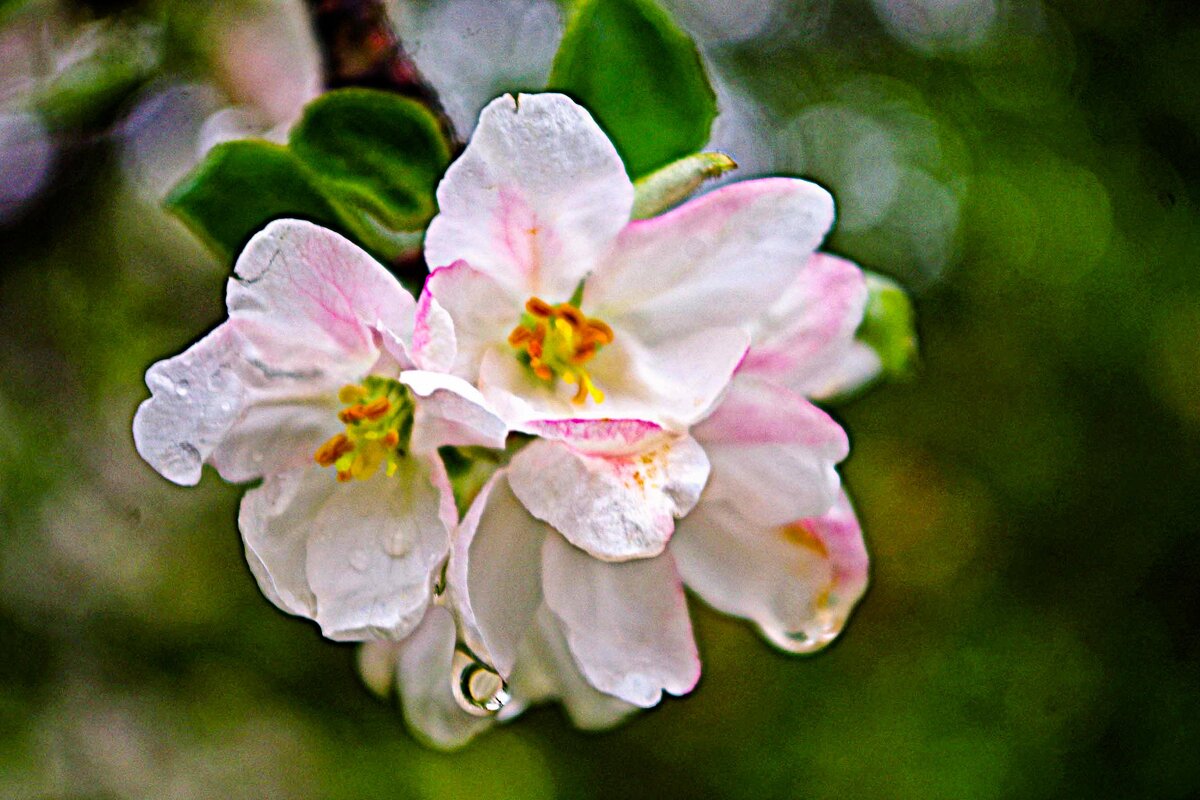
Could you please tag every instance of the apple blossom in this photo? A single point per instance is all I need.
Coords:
(772, 538)
(322, 384)
(538, 203)
(752, 547)
(604, 337)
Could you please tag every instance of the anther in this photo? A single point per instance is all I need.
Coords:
(328, 453)
(539, 308)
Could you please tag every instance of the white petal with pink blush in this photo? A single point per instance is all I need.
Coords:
(613, 488)
(315, 384)
(539, 203)
(798, 582)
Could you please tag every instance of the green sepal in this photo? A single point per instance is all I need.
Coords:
(674, 183)
(640, 75)
(889, 326)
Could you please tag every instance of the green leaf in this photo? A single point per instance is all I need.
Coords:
(641, 76)
(363, 162)
(674, 183)
(889, 326)
(240, 187)
(375, 152)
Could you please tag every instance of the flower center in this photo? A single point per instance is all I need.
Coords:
(379, 419)
(557, 341)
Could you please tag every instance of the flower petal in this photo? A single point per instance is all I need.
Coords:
(484, 312)
(805, 335)
(308, 312)
(616, 507)
(536, 198)
(451, 411)
(773, 453)
(626, 624)
(673, 384)
(167, 430)
(494, 572)
(797, 582)
(424, 672)
(357, 557)
(546, 671)
(434, 346)
(306, 284)
(856, 367)
(718, 260)
(613, 437)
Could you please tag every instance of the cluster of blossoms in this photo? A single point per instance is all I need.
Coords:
(502, 487)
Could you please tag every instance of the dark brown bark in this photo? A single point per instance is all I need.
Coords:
(360, 48)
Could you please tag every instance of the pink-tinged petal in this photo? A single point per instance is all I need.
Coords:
(301, 283)
(626, 624)
(612, 437)
(425, 672)
(773, 453)
(309, 312)
(451, 412)
(495, 572)
(484, 312)
(719, 260)
(673, 384)
(546, 671)
(434, 346)
(805, 334)
(358, 557)
(616, 507)
(857, 366)
(536, 198)
(797, 582)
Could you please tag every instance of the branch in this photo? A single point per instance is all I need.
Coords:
(359, 48)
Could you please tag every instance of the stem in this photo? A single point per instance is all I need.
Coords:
(360, 48)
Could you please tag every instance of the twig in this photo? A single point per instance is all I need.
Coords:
(360, 48)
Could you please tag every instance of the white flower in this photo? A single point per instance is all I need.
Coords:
(538, 203)
(754, 546)
(609, 375)
(321, 383)
(771, 539)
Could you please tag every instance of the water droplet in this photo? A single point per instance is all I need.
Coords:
(477, 687)
(226, 406)
(360, 559)
(399, 544)
(181, 388)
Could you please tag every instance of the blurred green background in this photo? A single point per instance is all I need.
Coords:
(1031, 500)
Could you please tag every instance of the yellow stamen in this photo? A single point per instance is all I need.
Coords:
(378, 419)
(351, 393)
(328, 453)
(556, 341)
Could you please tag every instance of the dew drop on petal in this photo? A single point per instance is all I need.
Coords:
(477, 687)
(181, 388)
(360, 559)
